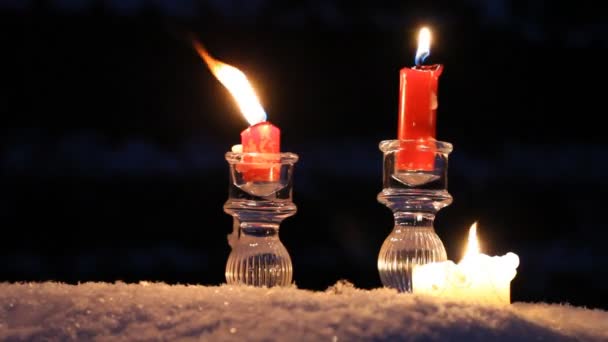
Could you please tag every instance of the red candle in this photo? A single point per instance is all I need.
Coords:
(417, 110)
(261, 141)
(263, 138)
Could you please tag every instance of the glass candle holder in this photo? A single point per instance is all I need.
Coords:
(259, 199)
(414, 196)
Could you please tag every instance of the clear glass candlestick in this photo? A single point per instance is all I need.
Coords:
(259, 199)
(414, 196)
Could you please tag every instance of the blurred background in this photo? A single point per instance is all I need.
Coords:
(113, 134)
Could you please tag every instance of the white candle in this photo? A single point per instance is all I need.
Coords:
(476, 278)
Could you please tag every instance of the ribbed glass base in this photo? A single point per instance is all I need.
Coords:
(259, 264)
(404, 248)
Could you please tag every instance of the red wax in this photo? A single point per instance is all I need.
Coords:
(417, 115)
(264, 138)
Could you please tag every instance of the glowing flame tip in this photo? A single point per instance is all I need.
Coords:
(473, 242)
(424, 45)
(237, 84)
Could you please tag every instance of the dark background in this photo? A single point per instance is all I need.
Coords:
(113, 134)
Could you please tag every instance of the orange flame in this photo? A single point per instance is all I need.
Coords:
(473, 242)
(424, 45)
(237, 84)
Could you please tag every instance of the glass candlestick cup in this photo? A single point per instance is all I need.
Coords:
(259, 199)
(414, 196)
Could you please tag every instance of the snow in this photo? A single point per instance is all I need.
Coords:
(157, 311)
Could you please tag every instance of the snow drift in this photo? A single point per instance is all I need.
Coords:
(156, 311)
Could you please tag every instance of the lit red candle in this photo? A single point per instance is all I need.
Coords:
(261, 140)
(417, 108)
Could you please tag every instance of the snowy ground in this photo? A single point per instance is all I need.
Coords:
(156, 311)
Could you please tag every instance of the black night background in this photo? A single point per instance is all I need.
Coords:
(113, 135)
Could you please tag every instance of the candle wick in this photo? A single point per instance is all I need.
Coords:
(421, 58)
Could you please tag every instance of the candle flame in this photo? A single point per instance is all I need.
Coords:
(424, 45)
(237, 84)
(472, 248)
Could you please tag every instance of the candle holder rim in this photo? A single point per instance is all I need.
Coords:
(284, 157)
(426, 144)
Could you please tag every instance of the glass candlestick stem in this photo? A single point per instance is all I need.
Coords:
(414, 197)
(259, 206)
